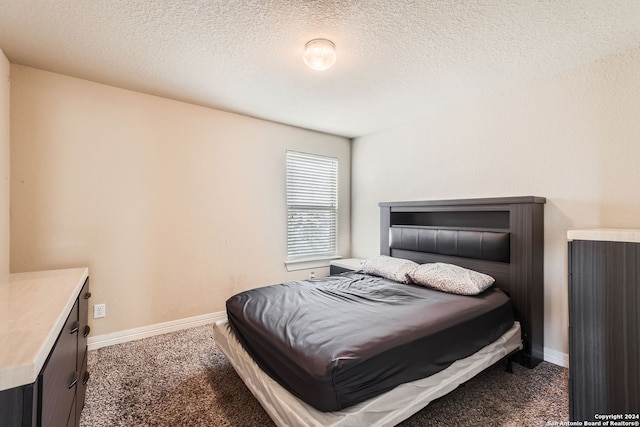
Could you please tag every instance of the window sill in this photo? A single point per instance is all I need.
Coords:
(306, 264)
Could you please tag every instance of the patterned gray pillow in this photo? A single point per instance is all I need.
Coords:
(451, 278)
(390, 268)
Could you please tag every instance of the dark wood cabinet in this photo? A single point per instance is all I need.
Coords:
(604, 328)
(83, 333)
(59, 377)
(56, 398)
(18, 406)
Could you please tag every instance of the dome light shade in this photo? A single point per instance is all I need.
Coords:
(319, 54)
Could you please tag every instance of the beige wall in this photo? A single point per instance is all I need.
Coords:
(572, 138)
(5, 69)
(172, 206)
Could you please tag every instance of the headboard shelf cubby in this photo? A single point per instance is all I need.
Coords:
(453, 219)
(437, 227)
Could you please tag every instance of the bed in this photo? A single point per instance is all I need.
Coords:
(501, 237)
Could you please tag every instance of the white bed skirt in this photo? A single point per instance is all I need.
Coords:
(387, 409)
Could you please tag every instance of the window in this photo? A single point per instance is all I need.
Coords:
(312, 206)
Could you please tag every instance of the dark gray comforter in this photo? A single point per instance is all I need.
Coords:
(339, 340)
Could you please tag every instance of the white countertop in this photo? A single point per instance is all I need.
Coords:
(606, 234)
(33, 309)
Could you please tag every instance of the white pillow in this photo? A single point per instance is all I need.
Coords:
(390, 268)
(451, 278)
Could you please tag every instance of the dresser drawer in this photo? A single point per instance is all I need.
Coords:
(59, 376)
(83, 333)
(83, 379)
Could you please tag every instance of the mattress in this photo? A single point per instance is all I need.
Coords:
(384, 410)
(340, 340)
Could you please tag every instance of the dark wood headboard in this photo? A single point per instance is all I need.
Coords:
(502, 237)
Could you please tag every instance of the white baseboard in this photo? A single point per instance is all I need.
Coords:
(106, 340)
(556, 357)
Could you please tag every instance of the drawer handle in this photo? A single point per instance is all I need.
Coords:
(74, 327)
(74, 382)
(87, 329)
(87, 295)
(85, 378)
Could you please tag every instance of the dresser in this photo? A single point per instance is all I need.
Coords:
(43, 353)
(604, 323)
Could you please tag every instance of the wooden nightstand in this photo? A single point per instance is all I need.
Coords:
(338, 266)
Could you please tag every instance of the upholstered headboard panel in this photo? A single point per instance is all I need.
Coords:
(485, 245)
(502, 237)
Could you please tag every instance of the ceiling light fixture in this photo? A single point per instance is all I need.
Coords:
(319, 54)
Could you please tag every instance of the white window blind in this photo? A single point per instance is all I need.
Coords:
(312, 206)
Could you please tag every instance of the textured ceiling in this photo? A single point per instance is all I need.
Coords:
(397, 59)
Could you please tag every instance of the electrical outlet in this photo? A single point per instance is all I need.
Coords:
(99, 310)
(312, 275)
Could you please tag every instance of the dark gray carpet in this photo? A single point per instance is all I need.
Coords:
(182, 379)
